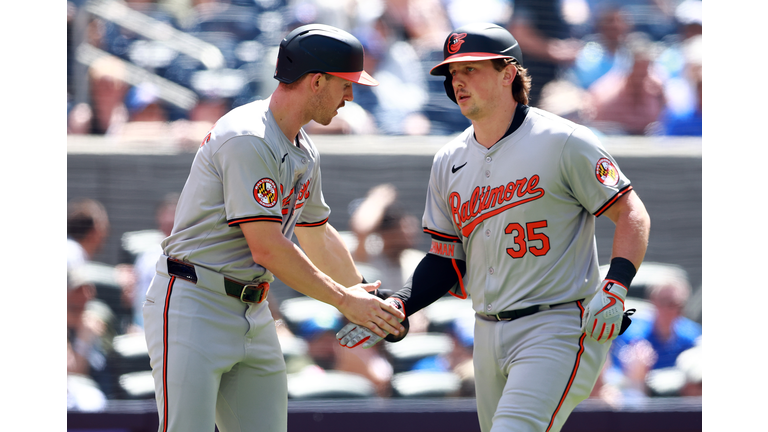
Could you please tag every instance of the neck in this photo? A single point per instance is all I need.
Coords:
(289, 119)
(489, 130)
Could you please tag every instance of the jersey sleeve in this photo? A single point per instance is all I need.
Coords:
(437, 220)
(590, 172)
(249, 172)
(315, 211)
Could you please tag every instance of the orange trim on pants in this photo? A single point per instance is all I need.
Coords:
(573, 373)
(165, 353)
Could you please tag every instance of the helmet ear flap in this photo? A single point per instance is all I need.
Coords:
(448, 84)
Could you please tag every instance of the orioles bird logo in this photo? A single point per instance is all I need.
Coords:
(455, 41)
(265, 192)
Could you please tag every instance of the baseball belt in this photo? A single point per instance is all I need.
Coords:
(247, 293)
(519, 313)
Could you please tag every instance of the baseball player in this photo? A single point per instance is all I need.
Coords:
(511, 208)
(254, 182)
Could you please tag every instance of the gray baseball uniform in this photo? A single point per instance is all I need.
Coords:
(209, 350)
(522, 215)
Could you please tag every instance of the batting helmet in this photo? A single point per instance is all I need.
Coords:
(321, 48)
(474, 42)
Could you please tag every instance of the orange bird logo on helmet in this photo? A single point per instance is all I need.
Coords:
(455, 41)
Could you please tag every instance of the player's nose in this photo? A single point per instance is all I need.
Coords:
(349, 94)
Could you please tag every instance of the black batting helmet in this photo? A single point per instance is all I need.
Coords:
(321, 48)
(473, 42)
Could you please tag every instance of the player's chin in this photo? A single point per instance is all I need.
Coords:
(325, 120)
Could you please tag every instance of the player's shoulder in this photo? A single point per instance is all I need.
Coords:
(247, 123)
(547, 123)
(249, 119)
(456, 144)
(553, 123)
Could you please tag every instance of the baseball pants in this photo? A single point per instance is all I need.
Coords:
(214, 358)
(530, 373)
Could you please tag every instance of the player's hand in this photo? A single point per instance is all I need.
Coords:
(604, 313)
(371, 312)
(352, 335)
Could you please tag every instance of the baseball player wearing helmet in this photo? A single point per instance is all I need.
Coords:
(511, 208)
(255, 180)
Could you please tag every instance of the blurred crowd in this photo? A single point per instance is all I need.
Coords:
(659, 356)
(142, 69)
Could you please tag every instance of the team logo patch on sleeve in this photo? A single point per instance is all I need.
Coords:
(606, 172)
(265, 192)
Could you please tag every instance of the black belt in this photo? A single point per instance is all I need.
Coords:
(248, 293)
(519, 313)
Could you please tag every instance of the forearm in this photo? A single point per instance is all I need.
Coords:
(630, 239)
(294, 268)
(432, 279)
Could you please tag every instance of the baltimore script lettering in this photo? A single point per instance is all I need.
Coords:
(469, 213)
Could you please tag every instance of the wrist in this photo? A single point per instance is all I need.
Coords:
(622, 271)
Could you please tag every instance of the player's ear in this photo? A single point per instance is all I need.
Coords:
(317, 81)
(510, 72)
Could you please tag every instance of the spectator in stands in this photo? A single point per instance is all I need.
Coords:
(385, 236)
(87, 336)
(108, 90)
(87, 230)
(629, 103)
(144, 265)
(396, 103)
(672, 60)
(604, 50)
(683, 114)
(540, 28)
(325, 353)
(128, 45)
(655, 343)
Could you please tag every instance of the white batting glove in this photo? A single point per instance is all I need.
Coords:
(604, 313)
(352, 335)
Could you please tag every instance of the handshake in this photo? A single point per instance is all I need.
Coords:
(352, 335)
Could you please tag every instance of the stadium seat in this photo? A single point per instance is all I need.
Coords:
(417, 346)
(444, 311)
(423, 384)
(108, 290)
(137, 385)
(318, 384)
(298, 310)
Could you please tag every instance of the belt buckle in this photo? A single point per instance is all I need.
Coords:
(263, 286)
(499, 318)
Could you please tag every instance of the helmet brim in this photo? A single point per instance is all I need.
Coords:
(442, 68)
(361, 77)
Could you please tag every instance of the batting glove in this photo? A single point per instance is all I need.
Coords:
(604, 314)
(352, 335)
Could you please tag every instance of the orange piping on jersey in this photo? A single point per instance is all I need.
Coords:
(461, 282)
(234, 222)
(607, 205)
(468, 228)
(165, 352)
(441, 235)
(313, 224)
(571, 379)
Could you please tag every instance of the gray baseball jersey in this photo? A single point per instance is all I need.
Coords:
(524, 211)
(208, 349)
(245, 170)
(522, 216)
